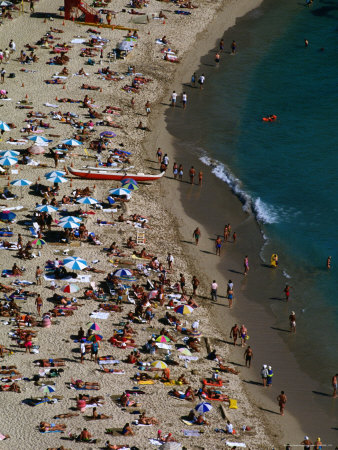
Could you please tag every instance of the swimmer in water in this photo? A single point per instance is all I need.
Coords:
(328, 262)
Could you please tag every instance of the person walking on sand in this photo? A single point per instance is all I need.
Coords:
(269, 377)
(201, 80)
(38, 275)
(173, 99)
(218, 245)
(159, 154)
(132, 103)
(307, 443)
(192, 173)
(246, 265)
(184, 100)
(292, 320)
(147, 108)
(200, 178)
(233, 47)
(234, 237)
(82, 351)
(282, 402)
(230, 295)
(213, 292)
(175, 170)
(234, 333)
(244, 335)
(195, 283)
(226, 232)
(56, 158)
(182, 283)
(196, 235)
(31, 6)
(318, 444)
(335, 385)
(39, 303)
(248, 355)
(170, 261)
(264, 374)
(180, 173)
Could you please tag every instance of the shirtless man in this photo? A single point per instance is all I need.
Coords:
(39, 303)
(246, 265)
(248, 355)
(85, 435)
(282, 402)
(292, 319)
(195, 283)
(334, 385)
(192, 173)
(218, 245)
(307, 443)
(234, 333)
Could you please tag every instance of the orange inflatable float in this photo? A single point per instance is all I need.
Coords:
(271, 118)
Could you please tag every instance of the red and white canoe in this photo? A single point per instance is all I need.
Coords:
(99, 173)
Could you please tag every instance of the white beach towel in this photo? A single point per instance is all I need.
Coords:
(99, 315)
(235, 444)
(50, 105)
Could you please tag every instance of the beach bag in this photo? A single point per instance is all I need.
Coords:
(11, 75)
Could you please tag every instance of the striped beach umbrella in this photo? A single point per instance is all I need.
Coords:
(75, 263)
(129, 181)
(87, 200)
(70, 288)
(72, 142)
(120, 191)
(21, 183)
(47, 389)
(57, 179)
(7, 216)
(46, 208)
(39, 242)
(39, 140)
(70, 219)
(69, 224)
(8, 161)
(130, 186)
(163, 339)
(55, 173)
(159, 365)
(4, 126)
(93, 326)
(95, 337)
(10, 153)
(183, 309)
(203, 407)
(123, 273)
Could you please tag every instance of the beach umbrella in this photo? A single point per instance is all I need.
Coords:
(87, 200)
(159, 365)
(119, 191)
(75, 263)
(36, 150)
(8, 161)
(7, 216)
(183, 309)
(68, 224)
(107, 134)
(203, 407)
(95, 337)
(70, 219)
(4, 126)
(55, 173)
(129, 181)
(39, 242)
(6, 3)
(71, 288)
(130, 186)
(47, 389)
(163, 339)
(93, 326)
(57, 179)
(46, 208)
(21, 183)
(184, 351)
(10, 153)
(39, 140)
(72, 142)
(123, 273)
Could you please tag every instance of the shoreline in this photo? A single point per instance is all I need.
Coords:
(305, 389)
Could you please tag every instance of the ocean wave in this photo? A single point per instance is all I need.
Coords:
(264, 213)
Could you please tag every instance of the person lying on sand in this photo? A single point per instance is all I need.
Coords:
(85, 384)
(143, 420)
(45, 426)
(125, 400)
(127, 431)
(14, 387)
(66, 415)
(97, 416)
(90, 87)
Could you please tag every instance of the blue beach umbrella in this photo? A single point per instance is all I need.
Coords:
(71, 219)
(55, 173)
(4, 126)
(123, 273)
(21, 183)
(68, 224)
(71, 142)
(7, 216)
(120, 191)
(75, 263)
(87, 200)
(129, 181)
(46, 208)
(8, 161)
(57, 179)
(47, 389)
(130, 186)
(203, 407)
(10, 153)
(40, 140)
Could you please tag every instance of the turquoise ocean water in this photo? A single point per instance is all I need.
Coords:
(286, 171)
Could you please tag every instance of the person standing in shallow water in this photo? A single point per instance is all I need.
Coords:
(282, 399)
(218, 245)
(246, 265)
(196, 235)
(233, 47)
(335, 385)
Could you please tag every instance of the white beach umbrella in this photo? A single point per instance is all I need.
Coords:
(40, 140)
(119, 192)
(46, 208)
(87, 200)
(55, 173)
(70, 219)
(72, 142)
(21, 183)
(8, 161)
(10, 153)
(4, 126)
(57, 179)
(71, 225)
(75, 263)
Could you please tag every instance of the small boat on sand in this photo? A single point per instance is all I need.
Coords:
(99, 173)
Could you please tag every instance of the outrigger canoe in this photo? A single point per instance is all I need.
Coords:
(99, 173)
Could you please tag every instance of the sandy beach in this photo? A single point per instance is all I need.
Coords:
(172, 213)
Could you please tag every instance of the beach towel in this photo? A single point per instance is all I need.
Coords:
(79, 279)
(99, 315)
(193, 433)
(235, 444)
